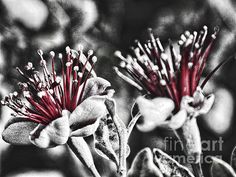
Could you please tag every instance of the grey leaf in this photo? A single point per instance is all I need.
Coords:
(106, 140)
(168, 166)
(143, 165)
(219, 168)
(233, 159)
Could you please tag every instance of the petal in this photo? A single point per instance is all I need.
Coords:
(17, 131)
(53, 134)
(178, 119)
(154, 111)
(185, 104)
(143, 165)
(207, 104)
(96, 86)
(88, 112)
(85, 131)
(168, 166)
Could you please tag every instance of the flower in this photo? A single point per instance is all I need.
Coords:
(174, 75)
(171, 83)
(56, 110)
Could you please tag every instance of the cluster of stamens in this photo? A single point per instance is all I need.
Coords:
(46, 96)
(172, 75)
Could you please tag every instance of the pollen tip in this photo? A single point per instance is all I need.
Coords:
(52, 53)
(155, 68)
(76, 68)
(216, 29)
(58, 79)
(122, 64)
(90, 52)
(117, 53)
(164, 56)
(205, 27)
(80, 47)
(60, 55)
(68, 64)
(162, 82)
(41, 94)
(150, 31)
(80, 74)
(26, 94)
(15, 93)
(180, 42)
(115, 68)
(40, 52)
(94, 59)
(136, 41)
(68, 49)
(187, 33)
(183, 37)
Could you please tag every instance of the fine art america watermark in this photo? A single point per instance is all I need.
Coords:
(172, 144)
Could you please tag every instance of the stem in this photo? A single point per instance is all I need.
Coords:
(197, 169)
(122, 134)
(190, 139)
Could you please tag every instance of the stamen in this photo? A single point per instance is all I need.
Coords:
(127, 79)
(214, 71)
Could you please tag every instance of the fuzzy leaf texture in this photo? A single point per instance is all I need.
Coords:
(219, 168)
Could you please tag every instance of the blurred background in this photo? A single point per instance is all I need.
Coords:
(105, 26)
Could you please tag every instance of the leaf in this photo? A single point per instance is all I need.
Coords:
(233, 159)
(95, 86)
(219, 168)
(103, 138)
(143, 165)
(81, 149)
(107, 140)
(168, 166)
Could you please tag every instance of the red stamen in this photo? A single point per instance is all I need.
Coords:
(214, 70)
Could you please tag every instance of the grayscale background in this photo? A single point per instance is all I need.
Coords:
(105, 26)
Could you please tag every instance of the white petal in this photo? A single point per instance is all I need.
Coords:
(207, 104)
(53, 134)
(154, 111)
(178, 119)
(85, 131)
(88, 112)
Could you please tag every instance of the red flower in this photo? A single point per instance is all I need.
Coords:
(172, 76)
(47, 96)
